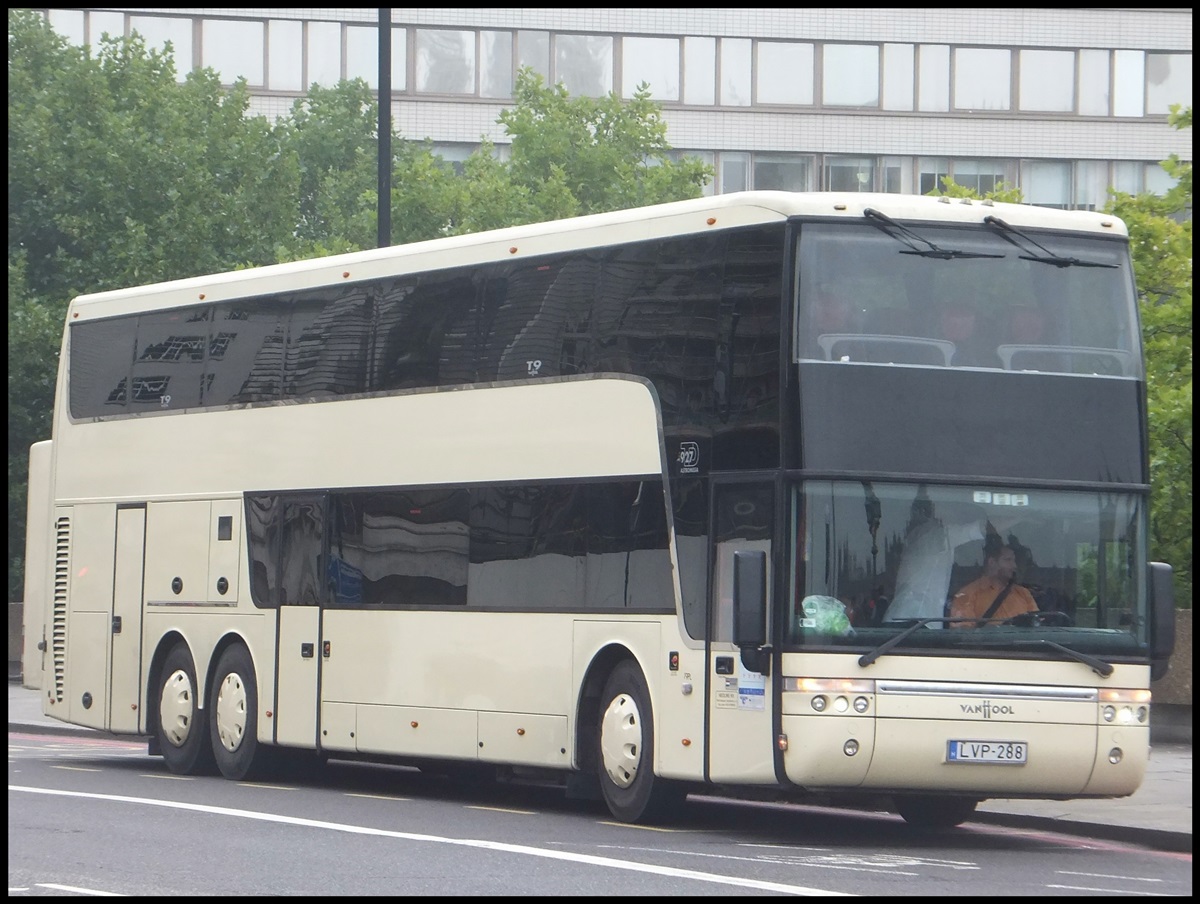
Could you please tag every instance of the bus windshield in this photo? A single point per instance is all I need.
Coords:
(990, 296)
(872, 559)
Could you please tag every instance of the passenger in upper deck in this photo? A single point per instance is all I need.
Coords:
(960, 323)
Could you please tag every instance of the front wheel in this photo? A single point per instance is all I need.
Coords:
(927, 811)
(179, 721)
(234, 721)
(625, 761)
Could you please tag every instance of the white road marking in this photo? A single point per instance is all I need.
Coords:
(607, 862)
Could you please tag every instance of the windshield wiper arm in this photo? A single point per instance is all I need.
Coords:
(867, 658)
(1047, 256)
(1099, 666)
(910, 238)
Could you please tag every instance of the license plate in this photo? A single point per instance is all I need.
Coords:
(999, 753)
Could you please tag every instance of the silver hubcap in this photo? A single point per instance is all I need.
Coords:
(231, 712)
(176, 708)
(621, 740)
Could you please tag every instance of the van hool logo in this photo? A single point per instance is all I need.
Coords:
(987, 709)
(689, 457)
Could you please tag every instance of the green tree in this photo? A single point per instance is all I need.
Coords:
(119, 175)
(1160, 232)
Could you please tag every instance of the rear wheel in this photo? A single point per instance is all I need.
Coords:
(625, 761)
(179, 724)
(234, 721)
(927, 811)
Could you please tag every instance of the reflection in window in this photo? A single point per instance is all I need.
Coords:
(981, 79)
(584, 64)
(735, 72)
(850, 75)
(654, 61)
(1047, 81)
(898, 76)
(785, 73)
(1168, 81)
(699, 70)
(445, 61)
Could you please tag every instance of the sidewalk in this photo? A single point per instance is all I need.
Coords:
(1159, 814)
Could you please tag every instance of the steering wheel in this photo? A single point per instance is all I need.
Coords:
(1037, 619)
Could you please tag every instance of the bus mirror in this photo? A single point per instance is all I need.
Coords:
(1162, 618)
(750, 609)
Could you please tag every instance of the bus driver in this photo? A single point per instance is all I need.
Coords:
(994, 595)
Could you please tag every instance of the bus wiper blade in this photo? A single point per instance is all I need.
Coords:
(1099, 666)
(1010, 234)
(910, 238)
(867, 658)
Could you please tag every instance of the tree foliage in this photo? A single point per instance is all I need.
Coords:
(1160, 232)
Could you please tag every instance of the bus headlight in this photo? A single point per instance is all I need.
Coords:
(819, 702)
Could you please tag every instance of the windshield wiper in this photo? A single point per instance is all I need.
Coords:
(867, 658)
(908, 237)
(1047, 257)
(1099, 666)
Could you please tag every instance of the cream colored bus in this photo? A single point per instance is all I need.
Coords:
(653, 501)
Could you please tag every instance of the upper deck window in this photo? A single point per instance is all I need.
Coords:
(979, 296)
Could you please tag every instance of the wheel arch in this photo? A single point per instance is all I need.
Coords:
(587, 709)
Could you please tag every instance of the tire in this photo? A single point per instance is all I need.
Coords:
(932, 812)
(234, 718)
(179, 723)
(625, 750)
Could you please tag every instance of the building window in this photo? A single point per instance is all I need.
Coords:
(324, 56)
(533, 50)
(285, 55)
(1094, 92)
(584, 64)
(850, 174)
(445, 61)
(495, 64)
(735, 72)
(700, 71)
(782, 172)
(932, 170)
(898, 60)
(785, 73)
(933, 78)
(1129, 80)
(850, 75)
(1046, 183)
(654, 61)
(362, 56)
(234, 49)
(982, 79)
(1168, 81)
(1047, 81)
(158, 32)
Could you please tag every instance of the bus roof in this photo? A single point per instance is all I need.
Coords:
(592, 231)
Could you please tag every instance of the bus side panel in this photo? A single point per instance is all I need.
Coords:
(89, 614)
(38, 543)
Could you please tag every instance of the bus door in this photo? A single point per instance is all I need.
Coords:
(125, 636)
(740, 726)
(299, 591)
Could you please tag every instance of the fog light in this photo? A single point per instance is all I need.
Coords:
(1110, 713)
(841, 704)
(819, 703)
(861, 704)
(1115, 755)
(1142, 714)
(850, 747)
